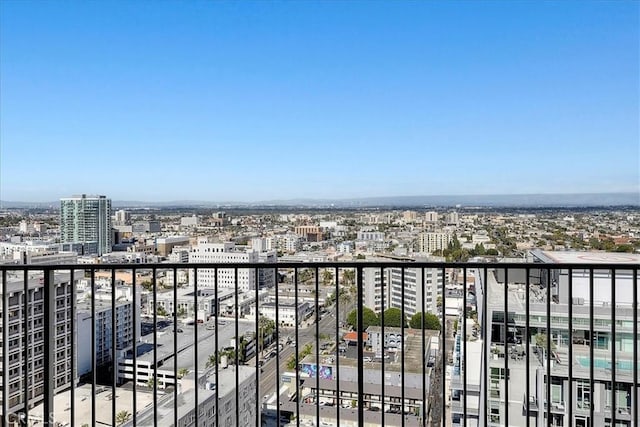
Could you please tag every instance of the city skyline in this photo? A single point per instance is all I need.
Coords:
(277, 101)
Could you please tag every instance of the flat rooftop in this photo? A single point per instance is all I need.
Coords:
(590, 257)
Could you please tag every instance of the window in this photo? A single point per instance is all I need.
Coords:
(583, 395)
(556, 391)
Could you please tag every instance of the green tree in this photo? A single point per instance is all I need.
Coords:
(151, 382)
(431, 321)
(147, 285)
(327, 277)
(266, 327)
(160, 310)
(369, 318)
(122, 417)
(348, 277)
(393, 317)
(182, 372)
(211, 361)
(291, 362)
(541, 341)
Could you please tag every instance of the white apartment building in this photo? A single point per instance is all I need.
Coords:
(284, 242)
(103, 327)
(122, 217)
(206, 252)
(418, 284)
(452, 218)
(430, 242)
(190, 221)
(431, 216)
(370, 236)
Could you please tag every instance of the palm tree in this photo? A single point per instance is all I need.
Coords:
(349, 280)
(345, 302)
(211, 362)
(348, 277)
(122, 417)
(182, 372)
(327, 277)
(151, 382)
(266, 327)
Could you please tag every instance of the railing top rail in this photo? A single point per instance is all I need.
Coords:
(325, 264)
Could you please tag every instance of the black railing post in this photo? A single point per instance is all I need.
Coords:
(463, 338)
(591, 344)
(27, 311)
(93, 347)
(257, 345)
(175, 346)
(49, 346)
(114, 362)
(317, 310)
(570, 357)
(72, 342)
(402, 346)
(443, 345)
(295, 293)
(613, 347)
(486, 326)
(155, 346)
(359, 329)
(506, 346)
(277, 382)
(136, 307)
(5, 347)
(195, 349)
(636, 400)
(549, 334)
(382, 335)
(527, 347)
(216, 351)
(425, 357)
(337, 373)
(236, 310)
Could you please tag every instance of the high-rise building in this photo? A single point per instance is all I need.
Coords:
(85, 224)
(430, 242)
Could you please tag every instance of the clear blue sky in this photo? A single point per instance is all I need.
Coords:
(160, 101)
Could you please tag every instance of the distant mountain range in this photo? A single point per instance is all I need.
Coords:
(496, 200)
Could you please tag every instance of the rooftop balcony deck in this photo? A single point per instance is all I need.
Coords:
(80, 346)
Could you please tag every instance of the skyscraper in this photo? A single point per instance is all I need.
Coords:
(85, 224)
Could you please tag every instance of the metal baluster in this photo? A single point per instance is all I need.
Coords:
(317, 309)
(73, 334)
(444, 348)
(27, 313)
(506, 345)
(93, 347)
(360, 347)
(175, 346)
(613, 347)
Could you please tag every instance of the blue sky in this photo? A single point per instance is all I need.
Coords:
(250, 101)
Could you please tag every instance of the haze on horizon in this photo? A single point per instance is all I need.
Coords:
(317, 100)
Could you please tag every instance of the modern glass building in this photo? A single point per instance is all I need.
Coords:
(85, 224)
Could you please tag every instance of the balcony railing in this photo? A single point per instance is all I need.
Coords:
(319, 344)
